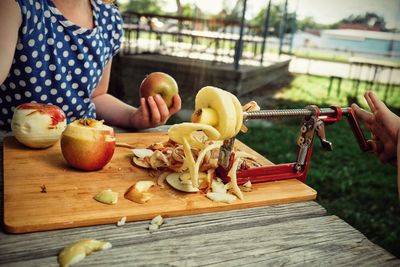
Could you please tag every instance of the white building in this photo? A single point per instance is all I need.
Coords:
(361, 41)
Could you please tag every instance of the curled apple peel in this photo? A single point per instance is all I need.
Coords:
(218, 114)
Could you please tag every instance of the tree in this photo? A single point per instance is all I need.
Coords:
(309, 23)
(274, 19)
(369, 19)
(145, 6)
(179, 8)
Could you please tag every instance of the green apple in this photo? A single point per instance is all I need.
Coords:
(159, 83)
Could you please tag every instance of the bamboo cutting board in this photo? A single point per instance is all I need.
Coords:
(69, 201)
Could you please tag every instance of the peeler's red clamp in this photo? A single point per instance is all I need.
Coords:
(313, 123)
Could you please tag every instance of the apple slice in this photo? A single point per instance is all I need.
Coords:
(139, 192)
(186, 186)
(38, 125)
(77, 251)
(88, 144)
(107, 197)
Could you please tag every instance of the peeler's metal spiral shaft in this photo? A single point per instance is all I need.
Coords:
(286, 113)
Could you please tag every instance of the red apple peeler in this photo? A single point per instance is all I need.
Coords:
(314, 121)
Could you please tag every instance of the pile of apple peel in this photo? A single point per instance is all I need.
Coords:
(190, 156)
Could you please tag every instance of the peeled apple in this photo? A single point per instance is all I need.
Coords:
(218, 114)
(38, 125)
(218, 108)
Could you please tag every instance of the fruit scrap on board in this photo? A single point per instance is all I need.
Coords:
(107, 197)
(139, 192)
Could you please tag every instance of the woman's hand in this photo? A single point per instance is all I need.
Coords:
(154, 112)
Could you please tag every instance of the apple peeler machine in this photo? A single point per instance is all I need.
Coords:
(314, 121)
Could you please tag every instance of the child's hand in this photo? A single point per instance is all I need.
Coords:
(384, 126)
(154, 112)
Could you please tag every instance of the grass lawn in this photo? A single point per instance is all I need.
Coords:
(351, 184)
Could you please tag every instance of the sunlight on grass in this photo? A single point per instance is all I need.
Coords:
(351, 184)
(314, 90)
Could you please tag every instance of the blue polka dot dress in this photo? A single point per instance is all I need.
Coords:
(57, 62)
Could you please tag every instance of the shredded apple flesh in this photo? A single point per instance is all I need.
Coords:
(194, 147)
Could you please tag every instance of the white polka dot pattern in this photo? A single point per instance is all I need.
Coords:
(58, 62)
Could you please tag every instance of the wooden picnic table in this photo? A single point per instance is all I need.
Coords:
(291, 234)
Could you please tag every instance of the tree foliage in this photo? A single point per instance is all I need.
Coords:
(309, 23)
(145, 6)
(370, 19)
(275, 19)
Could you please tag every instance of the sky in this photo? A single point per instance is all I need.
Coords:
(323, 11)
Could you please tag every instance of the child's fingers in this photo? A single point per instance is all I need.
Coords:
(155, 113)
(162, 108)
(376, 146)
(378, 104)
(177, 102)
(364, 115)
(145, 109)
(369, 101)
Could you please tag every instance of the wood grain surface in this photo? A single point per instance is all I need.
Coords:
(294, 234)
(69, 199)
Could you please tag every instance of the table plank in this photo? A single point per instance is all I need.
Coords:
(33, 245)
(317, 241)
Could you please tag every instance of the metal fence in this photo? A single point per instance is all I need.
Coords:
(213, 39)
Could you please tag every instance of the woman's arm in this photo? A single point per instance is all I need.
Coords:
(151, 113)
(10, 21)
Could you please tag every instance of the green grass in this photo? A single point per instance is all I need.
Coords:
(351, 184)
(334, 56)
(314, 90)
(331, 56)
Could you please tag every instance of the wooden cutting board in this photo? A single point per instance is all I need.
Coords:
(69, 201)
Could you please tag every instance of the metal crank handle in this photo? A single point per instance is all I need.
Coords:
(290, 113)
(327, 115)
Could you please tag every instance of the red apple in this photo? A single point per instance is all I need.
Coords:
(38, 125)
(159, 83)
(88, 144)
